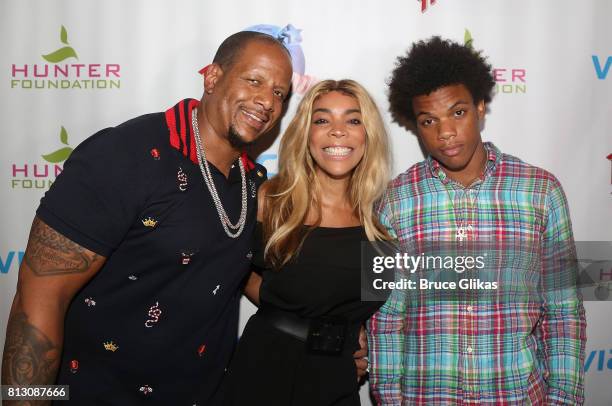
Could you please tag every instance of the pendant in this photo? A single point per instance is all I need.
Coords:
(462, 232)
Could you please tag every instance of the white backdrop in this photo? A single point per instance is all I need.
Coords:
(553, 107)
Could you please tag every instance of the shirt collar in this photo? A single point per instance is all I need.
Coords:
(493, 158)
(178, 120)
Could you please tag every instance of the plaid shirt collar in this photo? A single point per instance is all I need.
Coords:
(494, 157)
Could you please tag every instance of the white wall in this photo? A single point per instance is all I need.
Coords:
(559, 118)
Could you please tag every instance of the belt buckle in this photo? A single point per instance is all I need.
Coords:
(326, 337)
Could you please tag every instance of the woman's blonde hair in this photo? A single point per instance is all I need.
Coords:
(295, 190)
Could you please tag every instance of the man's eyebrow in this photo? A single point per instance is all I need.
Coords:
(450, 108)
(458, 103)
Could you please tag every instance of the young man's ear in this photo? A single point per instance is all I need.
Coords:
(481, 107)
(213, 75)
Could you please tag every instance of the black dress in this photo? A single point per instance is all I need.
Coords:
(273, 368)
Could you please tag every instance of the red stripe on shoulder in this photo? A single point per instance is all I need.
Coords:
(193, 153)
(171, 123)
(246, 161)
(183, 129)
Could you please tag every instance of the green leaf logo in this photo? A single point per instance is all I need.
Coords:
(62, 53)
(467, 38)
(64, 35)
(58, 156)
(64, 136)
(61, 154)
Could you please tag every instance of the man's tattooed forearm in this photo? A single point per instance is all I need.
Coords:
(50, 253)
(29, 356)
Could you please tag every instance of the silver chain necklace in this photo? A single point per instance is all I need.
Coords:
(232, 231)
(464, 227)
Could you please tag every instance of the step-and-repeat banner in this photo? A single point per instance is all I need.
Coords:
(69, 68)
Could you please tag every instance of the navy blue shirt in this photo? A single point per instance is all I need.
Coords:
(158, 323)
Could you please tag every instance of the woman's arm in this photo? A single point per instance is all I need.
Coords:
(251, 289)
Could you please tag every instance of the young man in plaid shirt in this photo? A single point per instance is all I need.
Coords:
(528, 350)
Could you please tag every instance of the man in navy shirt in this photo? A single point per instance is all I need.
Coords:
(130, 284)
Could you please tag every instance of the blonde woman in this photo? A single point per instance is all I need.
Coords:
(333, 165)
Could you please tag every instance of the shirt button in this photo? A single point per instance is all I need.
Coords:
(469, 308)
(469, 350)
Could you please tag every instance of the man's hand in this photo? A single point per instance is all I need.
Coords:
(361, 355)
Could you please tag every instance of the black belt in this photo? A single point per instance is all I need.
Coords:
(325, 336)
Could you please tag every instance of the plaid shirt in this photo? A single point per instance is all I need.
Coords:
(517, 352)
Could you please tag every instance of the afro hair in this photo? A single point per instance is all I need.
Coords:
(433, 64)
